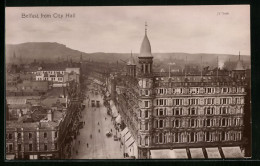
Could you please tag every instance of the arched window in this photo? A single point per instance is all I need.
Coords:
(207, 136)
(146, 140)
(208, 122)
(208, 110)
(177, 123)
(176, 137)
(223, 122)
(193, 111)
(161, 138)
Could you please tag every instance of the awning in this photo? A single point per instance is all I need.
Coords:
(133, 150)
(114, 111)
(232, 152)
(169, 154)
(9, 156)
(118, 119)
(213, 153)
(161, 154)
(123, 133)
(196, 153)
(129, 142)
(127, 136)
(180, 153)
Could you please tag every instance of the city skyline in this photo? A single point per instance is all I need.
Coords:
(190, 29)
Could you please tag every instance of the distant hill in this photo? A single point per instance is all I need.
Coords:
(51, 52)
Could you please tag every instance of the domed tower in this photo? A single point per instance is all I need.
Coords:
(145, 98)
(131, 67)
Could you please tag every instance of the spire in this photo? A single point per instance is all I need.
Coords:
(145, 50)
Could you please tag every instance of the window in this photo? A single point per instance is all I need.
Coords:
(10, 136)
(56, 134)
(146, 126)
(208, 111)
(176, 139)
(19, 135)
(45, 147)
(207, 136)
(177, 111)
(45, 135)
(161, 112)
(30, 147)
(146, 92)
(192, 123)
(30, 135)
(224, 110)
(140, 113)
(160, 138)
(160, 123)
(161, 91)
(55, 146)
(192, 137)
(177, 123)
(19, 147)
(223, 122)
(192, 111)
(146, 104)
(222, 135)
(10, 146)
(146, 113)
(146, 140)
(208, 122)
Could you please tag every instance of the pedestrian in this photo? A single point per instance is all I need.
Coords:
(99, 130)
(87, 144)
(77, 152)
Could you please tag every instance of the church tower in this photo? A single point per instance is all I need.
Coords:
(131, 67)
(145, 98)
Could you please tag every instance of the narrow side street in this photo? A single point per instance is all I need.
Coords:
(97, 124)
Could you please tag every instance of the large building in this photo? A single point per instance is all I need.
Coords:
(196, 115)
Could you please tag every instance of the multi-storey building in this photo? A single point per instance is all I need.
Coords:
(181, 110)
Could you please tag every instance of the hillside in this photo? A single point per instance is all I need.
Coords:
(51, 52)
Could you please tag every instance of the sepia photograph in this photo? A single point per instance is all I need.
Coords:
(128, 82)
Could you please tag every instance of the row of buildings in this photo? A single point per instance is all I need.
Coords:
(42, 116)
(193, 113)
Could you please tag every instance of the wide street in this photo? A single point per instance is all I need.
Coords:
(99, 146)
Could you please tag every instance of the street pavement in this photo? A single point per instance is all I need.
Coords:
(99, 146)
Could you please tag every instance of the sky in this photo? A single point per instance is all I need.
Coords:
(190, 29)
